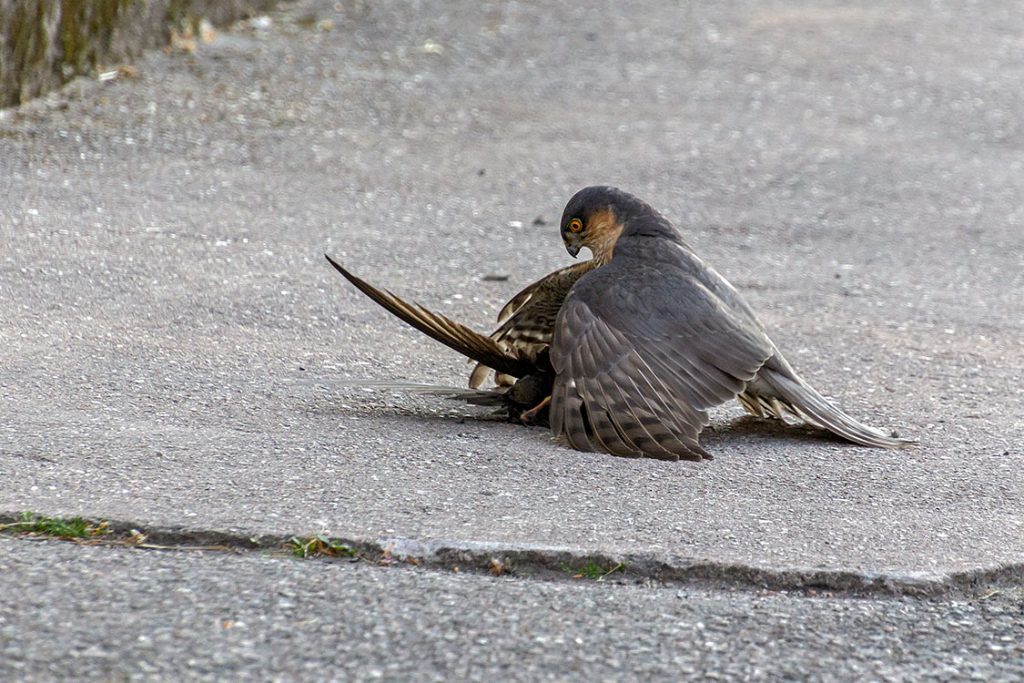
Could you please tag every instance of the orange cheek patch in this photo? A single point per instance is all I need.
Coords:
(604, 232)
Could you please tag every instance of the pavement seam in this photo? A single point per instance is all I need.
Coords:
(549, 563)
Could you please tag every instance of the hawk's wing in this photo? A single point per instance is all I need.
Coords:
(641, 352)
(533, 311)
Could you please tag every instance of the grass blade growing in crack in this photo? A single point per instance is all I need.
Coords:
(32, 524)
(319, 545)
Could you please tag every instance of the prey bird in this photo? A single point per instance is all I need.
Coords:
(626, 352)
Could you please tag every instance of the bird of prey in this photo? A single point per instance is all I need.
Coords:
(625, 353)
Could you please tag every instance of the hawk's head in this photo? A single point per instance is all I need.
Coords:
(595, 218)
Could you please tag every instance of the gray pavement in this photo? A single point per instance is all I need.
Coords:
(96, 613)
(176, 351)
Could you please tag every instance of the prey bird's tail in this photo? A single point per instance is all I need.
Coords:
(777, 391)
(454, 335)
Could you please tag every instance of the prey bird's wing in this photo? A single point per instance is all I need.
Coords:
(454, 335)
(641, 352)
(554, 285)
(530, 316)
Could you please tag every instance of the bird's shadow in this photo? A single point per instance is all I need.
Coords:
(749, 426)
(455, 411)
(719, 432)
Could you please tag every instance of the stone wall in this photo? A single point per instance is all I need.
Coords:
(45, 43)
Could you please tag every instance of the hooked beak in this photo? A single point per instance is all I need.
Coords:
(572, 243)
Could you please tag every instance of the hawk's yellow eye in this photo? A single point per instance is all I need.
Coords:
(575, 225)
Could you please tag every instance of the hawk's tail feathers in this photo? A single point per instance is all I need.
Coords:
(794, 396)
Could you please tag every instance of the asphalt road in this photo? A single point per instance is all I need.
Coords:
(177, 355)
(132, 615)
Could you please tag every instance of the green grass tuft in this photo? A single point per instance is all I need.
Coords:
(55, 527)
(593, 571)
(319, 545)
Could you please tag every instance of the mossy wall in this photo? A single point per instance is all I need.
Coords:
(45, 43)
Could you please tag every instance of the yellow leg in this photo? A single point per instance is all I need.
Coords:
(531, 414)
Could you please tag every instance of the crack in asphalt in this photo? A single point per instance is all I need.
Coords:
(550, 563)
